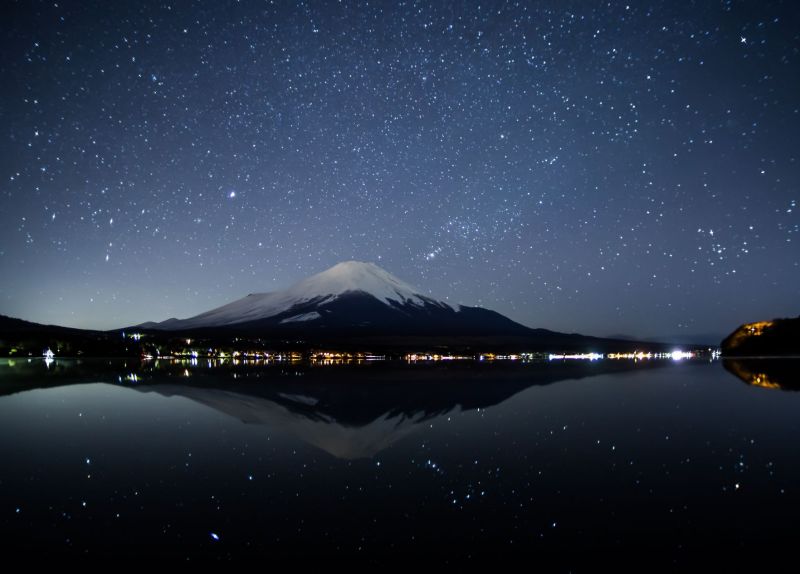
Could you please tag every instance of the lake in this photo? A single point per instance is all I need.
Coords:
(567, 464)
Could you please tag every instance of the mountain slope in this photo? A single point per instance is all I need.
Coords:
(348, 296)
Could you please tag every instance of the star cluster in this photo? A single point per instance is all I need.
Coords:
(596, 167)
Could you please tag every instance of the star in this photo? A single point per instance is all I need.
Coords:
(471, 157)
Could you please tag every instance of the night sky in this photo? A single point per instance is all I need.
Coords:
(606, 168)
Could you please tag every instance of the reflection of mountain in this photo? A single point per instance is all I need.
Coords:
(357, 412)
(781, 374)
(348, 411)
(289, 414)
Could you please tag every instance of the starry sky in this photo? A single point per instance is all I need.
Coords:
(601, 167)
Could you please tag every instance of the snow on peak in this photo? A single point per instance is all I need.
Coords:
(356, 276)
(302, 317)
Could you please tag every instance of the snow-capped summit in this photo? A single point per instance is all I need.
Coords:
(351, 296)
(351, 276)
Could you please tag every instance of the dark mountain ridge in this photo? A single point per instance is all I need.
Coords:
(778, 337)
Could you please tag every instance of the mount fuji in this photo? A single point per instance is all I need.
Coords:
(353, 298)
(352, 305)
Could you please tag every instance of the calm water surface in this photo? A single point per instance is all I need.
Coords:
(565, 464)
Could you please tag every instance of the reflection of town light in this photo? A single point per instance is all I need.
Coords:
(579, 356)
(762, 380)
(48, 357)
(679, 355)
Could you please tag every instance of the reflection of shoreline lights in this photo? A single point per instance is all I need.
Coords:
(762, 380)
(636, 355)
(339, 358)
(580, 356)
(48, 357)
(766, 374)
(424, 357)
(676, 355)
(214, 357)
(189, 360)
